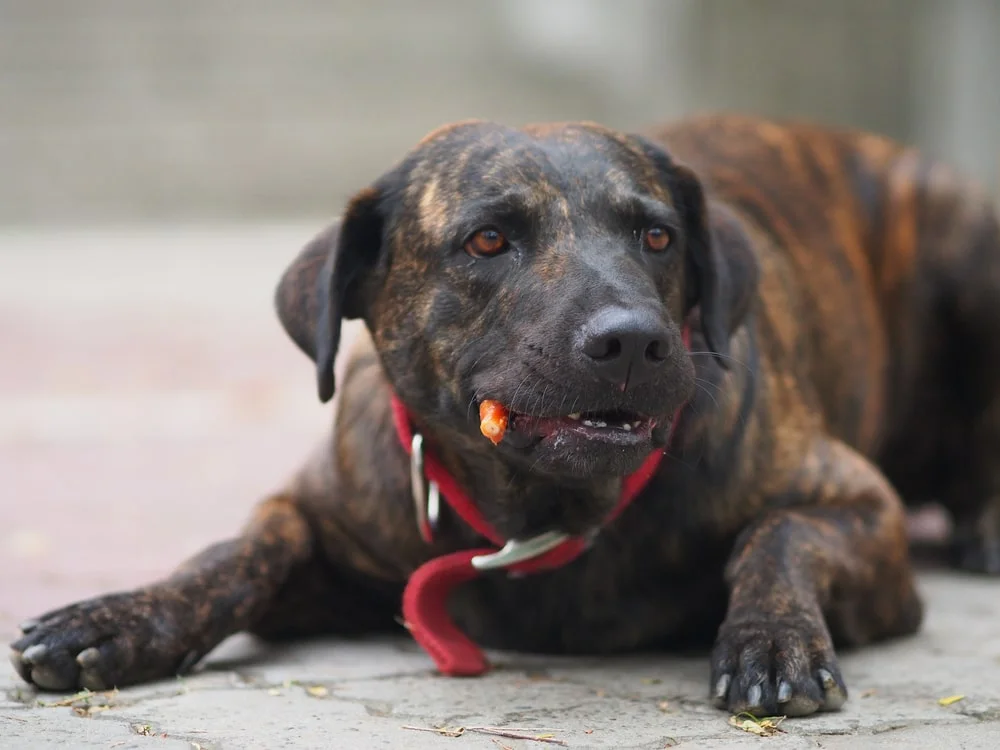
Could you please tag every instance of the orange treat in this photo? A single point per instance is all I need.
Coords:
(492, 420)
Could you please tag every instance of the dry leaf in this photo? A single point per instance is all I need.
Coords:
(765, 727)
(81, 696)
(89, 710)
(651, 680)
(144, 729)
(868, 693)
(515, 733)
(588, 731)
(506, 732)
(950, 699)
(600, 693)
(664, 706)
(443, 731)
(317, 691)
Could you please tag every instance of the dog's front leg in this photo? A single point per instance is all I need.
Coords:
(163, 629)
(830, 559)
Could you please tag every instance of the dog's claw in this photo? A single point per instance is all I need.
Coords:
(88, 657)
(784, 692)
(722, 690)
(28, 625)
(114, 640)
(770, 666)
(20, 666)
(34, 654)
(834, 692)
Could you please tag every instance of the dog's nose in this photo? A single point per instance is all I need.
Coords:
(625, 347)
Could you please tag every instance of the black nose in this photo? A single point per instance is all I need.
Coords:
(625, 347)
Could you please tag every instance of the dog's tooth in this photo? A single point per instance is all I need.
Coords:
(601, 424)
(588, 423)
(627, 427)
(575, 416)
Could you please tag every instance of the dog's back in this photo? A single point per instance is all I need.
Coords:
(897, 268)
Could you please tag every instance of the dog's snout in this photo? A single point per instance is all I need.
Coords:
(625, 347)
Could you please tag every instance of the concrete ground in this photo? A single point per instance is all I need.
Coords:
(148, 398)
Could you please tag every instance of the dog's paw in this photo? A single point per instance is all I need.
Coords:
(772, 667)
(101, 643)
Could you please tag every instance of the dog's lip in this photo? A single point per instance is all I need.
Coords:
(619, 427)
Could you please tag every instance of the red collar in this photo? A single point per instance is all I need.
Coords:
(425, 597)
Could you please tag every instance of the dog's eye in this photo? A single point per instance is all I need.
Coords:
(485, 243)
(656, 239)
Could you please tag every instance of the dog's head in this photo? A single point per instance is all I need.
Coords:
(550, 268)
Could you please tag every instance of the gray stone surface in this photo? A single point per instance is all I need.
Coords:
(364, 694)
(149, 398)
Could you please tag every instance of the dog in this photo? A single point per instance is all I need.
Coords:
(724, 348)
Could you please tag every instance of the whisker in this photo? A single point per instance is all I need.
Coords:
(678, 459)
(704, 381)
(707, 392)
(722, 356)
(513, 399)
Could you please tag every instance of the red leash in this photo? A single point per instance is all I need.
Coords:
(425, 597)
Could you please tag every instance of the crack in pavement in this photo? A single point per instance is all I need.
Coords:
(689, 719)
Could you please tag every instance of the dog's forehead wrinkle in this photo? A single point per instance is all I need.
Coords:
(526, 166)
(433, 209)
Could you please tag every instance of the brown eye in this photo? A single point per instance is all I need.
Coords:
(486, 242)
(656, 239)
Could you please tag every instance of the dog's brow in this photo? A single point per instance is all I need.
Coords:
(506, 200)
(642, 206)
(513, 195)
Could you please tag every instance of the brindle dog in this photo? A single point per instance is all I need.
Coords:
(843, 298)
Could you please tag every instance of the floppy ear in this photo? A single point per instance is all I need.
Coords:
(325, 284)
(722, 270)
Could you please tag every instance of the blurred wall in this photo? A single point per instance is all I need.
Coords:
(208, 110)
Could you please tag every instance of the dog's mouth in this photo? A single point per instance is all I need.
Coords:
(596, 442)
(616, 427)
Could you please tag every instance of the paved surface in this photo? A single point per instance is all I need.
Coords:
(149, 398)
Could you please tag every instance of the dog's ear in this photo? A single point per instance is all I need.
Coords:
(325, 284)
(721, 269)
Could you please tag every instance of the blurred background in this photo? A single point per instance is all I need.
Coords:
(161, 162)
(190, 110)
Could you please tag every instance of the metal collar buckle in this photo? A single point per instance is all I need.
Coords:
(516, 551)
(427, 503)
(426, 500)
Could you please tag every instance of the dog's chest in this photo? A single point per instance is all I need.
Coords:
(614, 598)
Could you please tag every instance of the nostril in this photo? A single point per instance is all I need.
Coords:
(613, 349)
(656, 350)
(624, 346)
(604, 348)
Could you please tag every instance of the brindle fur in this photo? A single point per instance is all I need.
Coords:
(845, 295)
